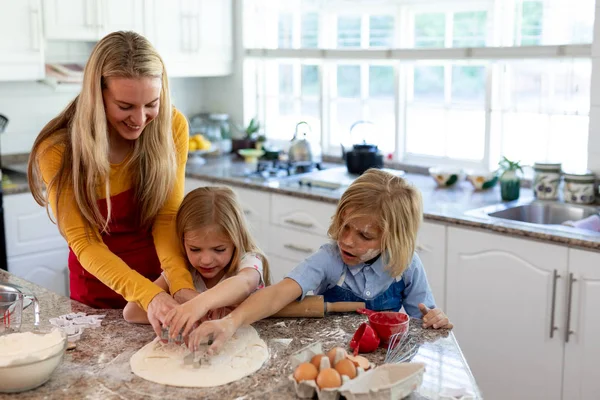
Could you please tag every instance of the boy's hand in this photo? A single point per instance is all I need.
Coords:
(221, 330)
(183, 317)
(434, 318)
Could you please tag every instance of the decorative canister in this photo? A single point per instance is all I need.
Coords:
(579, 187)
(546, 180)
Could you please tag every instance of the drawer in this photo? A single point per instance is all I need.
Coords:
(255, 203)
(293, 245)
(300, 214)
(48, 269)
(259, 232)
(279, 267)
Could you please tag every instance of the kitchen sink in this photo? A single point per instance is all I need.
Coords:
(536, 212)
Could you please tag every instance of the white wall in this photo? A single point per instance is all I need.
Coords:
(594, 136)
(30, 105)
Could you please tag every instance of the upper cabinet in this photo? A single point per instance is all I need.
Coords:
(194, 37)
(21, 40)
(91, 19)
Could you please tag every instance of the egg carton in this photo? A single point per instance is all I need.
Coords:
(386, 382)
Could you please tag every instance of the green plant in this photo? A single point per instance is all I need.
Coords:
(252, 128)
(510, 168)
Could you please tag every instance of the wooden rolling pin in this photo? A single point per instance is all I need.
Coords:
(316, 307)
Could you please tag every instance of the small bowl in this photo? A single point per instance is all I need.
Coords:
(26, 372)
(446, 176)
(482, 180)
(386, 323)
(251, 155)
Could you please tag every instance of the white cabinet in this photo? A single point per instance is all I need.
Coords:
(192, 183)
(582, 347)
(91, 19)
(194, 37)
(21, 40)
(305, 215)
(503, 298)
(431, 247)
(36, 251)
(279, 267)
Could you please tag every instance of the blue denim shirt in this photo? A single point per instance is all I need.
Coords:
(325, 269)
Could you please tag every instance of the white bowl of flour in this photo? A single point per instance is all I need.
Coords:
(27, 359)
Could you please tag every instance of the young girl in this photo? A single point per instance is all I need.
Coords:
(372, 259)
(225, 263)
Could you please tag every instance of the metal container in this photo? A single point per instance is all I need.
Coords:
(546, 180)
(579, 188)
(301, 151)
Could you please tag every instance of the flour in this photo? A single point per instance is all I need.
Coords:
(16, 348)
(163, 363)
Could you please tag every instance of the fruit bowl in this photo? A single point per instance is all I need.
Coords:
(251, 155)
(446, 176)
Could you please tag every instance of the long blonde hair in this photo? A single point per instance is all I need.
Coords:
(219, 205)
(81, 130)
(395, 203)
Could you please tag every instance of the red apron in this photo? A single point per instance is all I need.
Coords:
(135, 246)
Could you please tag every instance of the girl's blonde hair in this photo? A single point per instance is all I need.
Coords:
(219, 205)
(81, 130)
(395, 203)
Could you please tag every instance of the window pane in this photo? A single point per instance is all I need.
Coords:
(531, 25)
(348, 81)
(571, 84)
(348, 34)
(381, 31)
(428, 84)
(430, 30)
(310, 30)
(310, 80)
(381, 112)
(465, 134)
(570, 149)
(468, 84)
(425, 131)
(381, 81)
(282, 116)
(343, 114)
(286, 79)
(285, 30)
(469, 29)
(525, 90)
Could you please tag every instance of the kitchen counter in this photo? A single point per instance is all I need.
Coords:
(99, 366)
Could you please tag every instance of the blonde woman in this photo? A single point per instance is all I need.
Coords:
(113, 163)
(371, 259)
(226, 264)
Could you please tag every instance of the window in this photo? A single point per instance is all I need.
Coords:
(433, 98)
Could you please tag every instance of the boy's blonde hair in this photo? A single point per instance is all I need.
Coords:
(81, 130)
(395, 203)
(219, 205)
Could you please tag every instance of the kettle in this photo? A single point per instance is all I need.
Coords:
(362, 156)
(301, 151)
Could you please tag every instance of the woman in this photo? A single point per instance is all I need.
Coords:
(113, 163)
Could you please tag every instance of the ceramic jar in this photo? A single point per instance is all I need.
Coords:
(579, 188)
(546, 180)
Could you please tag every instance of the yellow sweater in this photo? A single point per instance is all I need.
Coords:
(94, 255)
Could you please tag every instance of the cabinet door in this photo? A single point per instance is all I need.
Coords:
(582, 350)
(431, 247)
(279, 267)
(121, 15)
(500, 293)
(21, 54)
(48, 269)
(304, 215)
(72, 19)
(192, 183)
(28, 227)
(291, 244)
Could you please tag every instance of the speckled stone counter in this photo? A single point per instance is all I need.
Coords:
(98, 368)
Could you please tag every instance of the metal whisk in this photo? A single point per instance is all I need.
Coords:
(400, 348)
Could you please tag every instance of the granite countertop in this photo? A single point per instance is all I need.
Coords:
(445, 205)
(99, 365)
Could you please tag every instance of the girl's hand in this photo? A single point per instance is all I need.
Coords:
(185, 295)
(221, 330)
(184, 316)
(434, 318)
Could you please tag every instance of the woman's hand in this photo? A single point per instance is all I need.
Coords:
(158, 308)
(434, 318)
(184, 316)
(185, 295)
(220, 330)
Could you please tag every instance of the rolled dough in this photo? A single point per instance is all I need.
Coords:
(163, 363)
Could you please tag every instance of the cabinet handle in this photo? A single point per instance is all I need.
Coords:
(553, 310)
(568, 331)
(298, 248)
(299, 223)
(247, 212)
(35, 23)
(421, 247)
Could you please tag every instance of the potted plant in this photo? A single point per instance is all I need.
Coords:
(260, 142)
(510, 179)
(247, 136)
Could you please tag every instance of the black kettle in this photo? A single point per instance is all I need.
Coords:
(362, 156)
